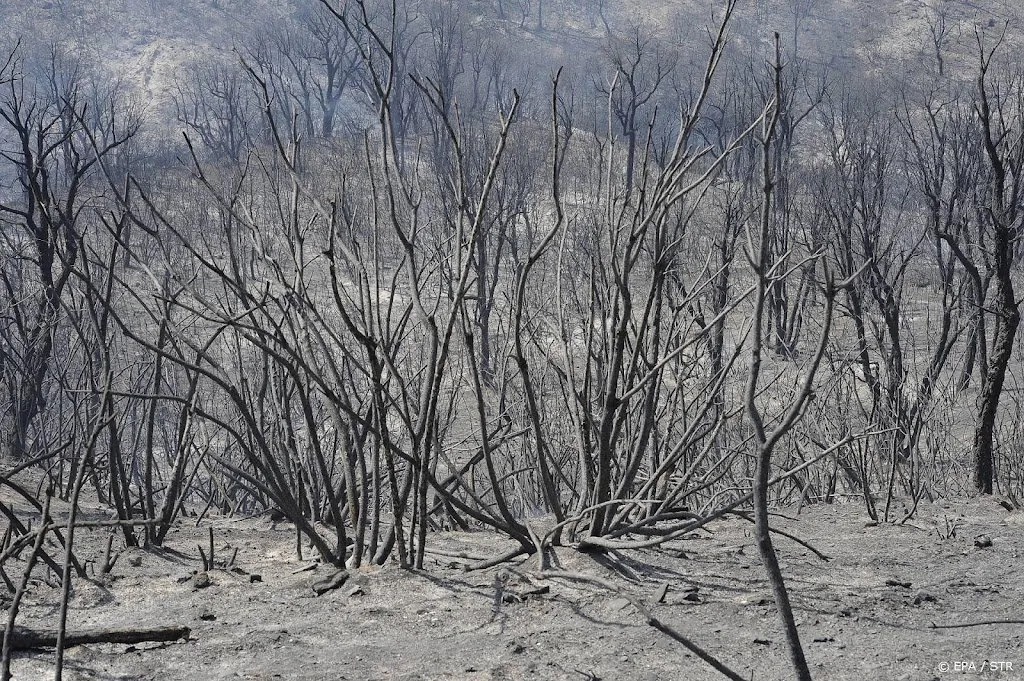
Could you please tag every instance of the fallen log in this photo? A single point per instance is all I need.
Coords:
(27, 639)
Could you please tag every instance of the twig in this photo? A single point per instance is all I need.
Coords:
(787, 535)
(974, 624)
(76, 493)
(647, 615)
(12, 613)
(92, 524)
(20, 542)
(718, 513)
(497, 560)
(454, 554)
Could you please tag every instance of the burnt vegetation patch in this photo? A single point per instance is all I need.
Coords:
(592, 283)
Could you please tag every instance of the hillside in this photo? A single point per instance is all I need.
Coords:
(150, 43)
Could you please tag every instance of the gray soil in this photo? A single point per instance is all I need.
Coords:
(866, 613)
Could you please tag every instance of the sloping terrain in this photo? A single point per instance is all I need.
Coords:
(147, 42)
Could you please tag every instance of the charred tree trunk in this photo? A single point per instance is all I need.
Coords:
(1004, 151)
